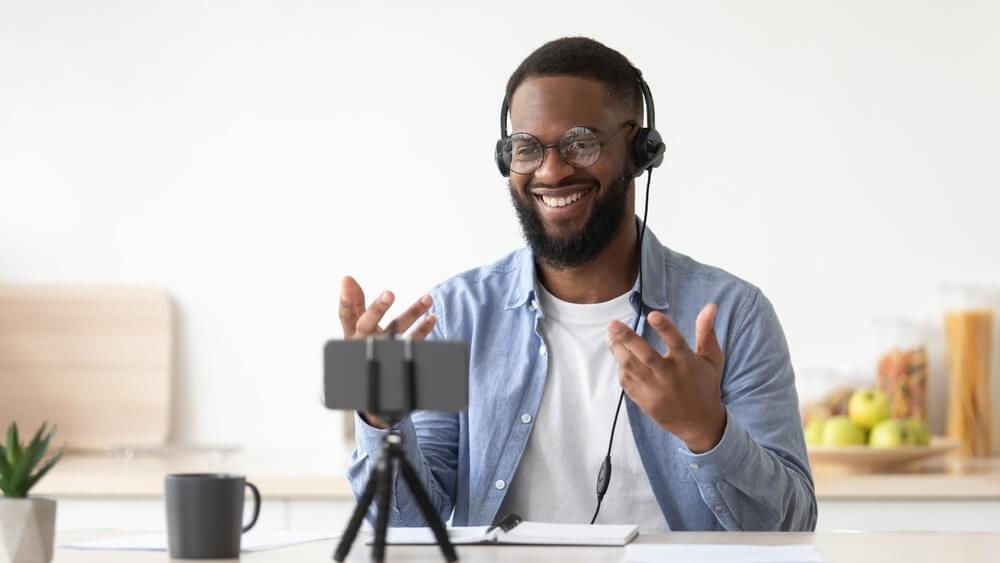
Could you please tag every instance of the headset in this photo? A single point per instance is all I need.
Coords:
(647, 146)
(647, 152)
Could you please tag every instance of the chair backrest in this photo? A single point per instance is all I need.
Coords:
(97, 361)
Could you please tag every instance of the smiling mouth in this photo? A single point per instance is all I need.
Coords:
(556, 202)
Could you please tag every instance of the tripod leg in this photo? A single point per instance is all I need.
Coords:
(427, 508)
(382, 517)
(357, 517)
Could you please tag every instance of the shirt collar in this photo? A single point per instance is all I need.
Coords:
(654, 273)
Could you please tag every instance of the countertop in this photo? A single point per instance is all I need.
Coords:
(939, 478)
(312, 475)
(318, 475)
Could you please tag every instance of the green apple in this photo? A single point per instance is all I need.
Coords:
(868, 407)
(814, 431)
(840, 431)
(917, 432)
(888, 434)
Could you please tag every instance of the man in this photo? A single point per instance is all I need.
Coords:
(710, 437)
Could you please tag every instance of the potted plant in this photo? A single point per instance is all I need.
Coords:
(27, 524)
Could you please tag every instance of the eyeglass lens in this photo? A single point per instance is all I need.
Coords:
(578, 146)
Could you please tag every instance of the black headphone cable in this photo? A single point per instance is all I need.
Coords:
(604, 475)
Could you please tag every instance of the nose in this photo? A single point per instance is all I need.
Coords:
(553, 168)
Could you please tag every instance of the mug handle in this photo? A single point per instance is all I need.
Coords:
(256, 506)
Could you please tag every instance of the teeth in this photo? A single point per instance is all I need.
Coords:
(563, 201)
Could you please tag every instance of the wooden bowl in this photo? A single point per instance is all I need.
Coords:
(867, 458)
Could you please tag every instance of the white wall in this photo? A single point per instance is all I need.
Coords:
(246, 155)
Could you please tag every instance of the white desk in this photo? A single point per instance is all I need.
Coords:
(835, 548)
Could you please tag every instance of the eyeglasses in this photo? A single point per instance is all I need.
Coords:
(579, 147)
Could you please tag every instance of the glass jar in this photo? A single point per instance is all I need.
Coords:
(969, 333)
(901, 368)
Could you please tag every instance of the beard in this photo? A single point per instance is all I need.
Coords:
(564, 253)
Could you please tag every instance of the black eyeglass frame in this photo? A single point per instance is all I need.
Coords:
(508, 144)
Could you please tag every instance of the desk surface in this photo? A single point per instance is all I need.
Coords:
(835, 548)
(320, 475)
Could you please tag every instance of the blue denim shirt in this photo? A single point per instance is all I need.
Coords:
(756, 478)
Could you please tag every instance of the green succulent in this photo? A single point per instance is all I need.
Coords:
(18, 461)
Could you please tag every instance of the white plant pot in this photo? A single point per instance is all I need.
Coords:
(27, 529)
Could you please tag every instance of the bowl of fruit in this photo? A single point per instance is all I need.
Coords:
(860, 433)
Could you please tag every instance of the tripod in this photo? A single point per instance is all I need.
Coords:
(391, 459)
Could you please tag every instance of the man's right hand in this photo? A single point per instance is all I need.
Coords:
(360, 322)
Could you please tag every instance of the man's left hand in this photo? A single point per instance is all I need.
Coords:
(681, 391)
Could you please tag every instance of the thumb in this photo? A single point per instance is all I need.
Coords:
(352, 305)
(706, 344)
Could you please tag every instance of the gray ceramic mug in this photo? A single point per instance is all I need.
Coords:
(205, 514)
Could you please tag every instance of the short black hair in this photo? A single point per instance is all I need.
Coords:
(585, 58)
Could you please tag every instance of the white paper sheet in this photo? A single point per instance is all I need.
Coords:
(721, 553)
(535, 533)
(424, 536)
(254, 540)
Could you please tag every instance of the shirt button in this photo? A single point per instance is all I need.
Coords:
(499, 484)
(526, 418)
(717, 508)
(693, 465)
(534, 304)
(541, 350)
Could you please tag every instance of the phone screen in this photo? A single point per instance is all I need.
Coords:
(441, 375)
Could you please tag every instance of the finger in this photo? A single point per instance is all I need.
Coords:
(424, 328)
(628, 363)
(412, 313)
(668, 332)
(368, 322)
(706, 343)
(630, 384)
(352, 305)
(634, 343)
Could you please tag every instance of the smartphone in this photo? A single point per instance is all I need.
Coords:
(440, 375)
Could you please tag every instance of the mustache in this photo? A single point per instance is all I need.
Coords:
(563, 183)
(622, 179)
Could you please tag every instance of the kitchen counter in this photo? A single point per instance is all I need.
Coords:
(940, 478)
(139, 473)
(320, 476)
(308, 490)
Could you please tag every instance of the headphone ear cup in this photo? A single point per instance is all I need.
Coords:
(647, 150)
(501, 161)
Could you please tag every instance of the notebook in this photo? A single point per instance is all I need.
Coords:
(514, 530)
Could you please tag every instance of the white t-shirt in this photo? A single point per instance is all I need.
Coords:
(557, 475)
